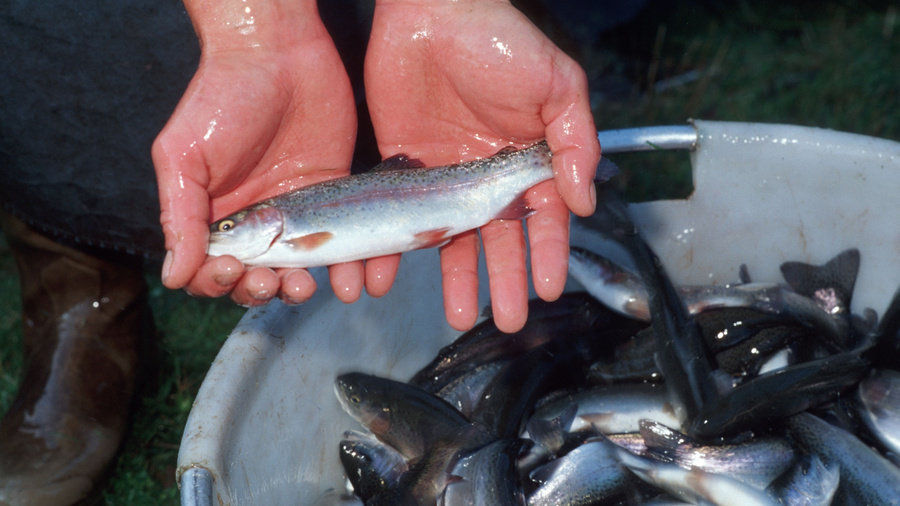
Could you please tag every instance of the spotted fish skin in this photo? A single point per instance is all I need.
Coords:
(384, 211)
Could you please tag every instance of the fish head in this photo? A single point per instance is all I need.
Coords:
(364, 400)
(246, 234)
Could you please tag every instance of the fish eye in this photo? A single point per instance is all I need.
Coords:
(354, 399)
(226, 225)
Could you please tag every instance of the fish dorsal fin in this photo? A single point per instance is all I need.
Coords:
(506, 150)
(398, 162)
(838, 274)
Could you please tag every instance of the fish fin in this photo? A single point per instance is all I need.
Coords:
(723, 381)
(506, 150)
(744, 274)
(839, 274)
(606, 170)
(662, 441)
(518, 209)
(310, 242)
(431, 238)
(551, 433)
(398, 162)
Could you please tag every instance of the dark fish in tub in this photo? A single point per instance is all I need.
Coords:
(571, 314)
(778, 394)
(879, 396)
(487, 476)
(808, 483)
(614, 409)
(866, 476)
(372, 466)
(681, 354)
(756, 462)
(396, 207)
(693, 485)
(512, 394)
(737, 430)
(400, 415)
(624, 291)
(589, 474)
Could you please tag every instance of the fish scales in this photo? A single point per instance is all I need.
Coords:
(381, 212)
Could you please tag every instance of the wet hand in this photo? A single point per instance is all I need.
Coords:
(454, 81)
(270, 109)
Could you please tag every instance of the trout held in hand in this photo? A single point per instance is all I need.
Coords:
(398, 206)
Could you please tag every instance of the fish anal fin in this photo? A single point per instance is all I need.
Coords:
(399, 161)
(310, 242)
(431, 238)
(516, 210)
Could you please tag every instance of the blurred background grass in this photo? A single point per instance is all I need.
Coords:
(832, 64)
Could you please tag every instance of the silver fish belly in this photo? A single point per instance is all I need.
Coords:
(381, 212)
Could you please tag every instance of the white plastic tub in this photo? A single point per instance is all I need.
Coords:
(265, 426)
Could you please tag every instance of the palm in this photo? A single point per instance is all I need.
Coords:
(458, 82)
(251, 124)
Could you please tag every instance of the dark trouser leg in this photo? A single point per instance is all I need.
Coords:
(83, 318)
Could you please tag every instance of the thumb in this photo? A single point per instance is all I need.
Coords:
(184, 202)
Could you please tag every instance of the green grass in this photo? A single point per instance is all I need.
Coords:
(192, 331)
(836, 68)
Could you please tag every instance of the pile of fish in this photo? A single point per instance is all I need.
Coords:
(641, 392)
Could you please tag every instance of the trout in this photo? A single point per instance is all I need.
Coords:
(398, 206)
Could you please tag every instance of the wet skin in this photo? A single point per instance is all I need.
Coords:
(222, 150)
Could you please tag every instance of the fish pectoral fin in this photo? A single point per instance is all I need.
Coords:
(399, 161)
(431, 238)
(310, 242)
(518, 209)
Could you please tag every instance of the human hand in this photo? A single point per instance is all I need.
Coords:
(453, 81)
(270, 109)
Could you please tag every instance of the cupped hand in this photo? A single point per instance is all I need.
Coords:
(257, 119)
(453, 81)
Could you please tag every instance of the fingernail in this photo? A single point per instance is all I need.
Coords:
(167, 266)
(261, 295)
(592, 195)
(227, 279)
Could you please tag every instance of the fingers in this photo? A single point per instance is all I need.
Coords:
(572, 137)
(216, 277)
(504, 252)
(297, 286)
(347, 280)
(548, 237)
(380, 274)
(184, 204)
(257, 287)
(459, 273)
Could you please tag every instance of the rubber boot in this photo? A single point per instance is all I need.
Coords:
(83, 319)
